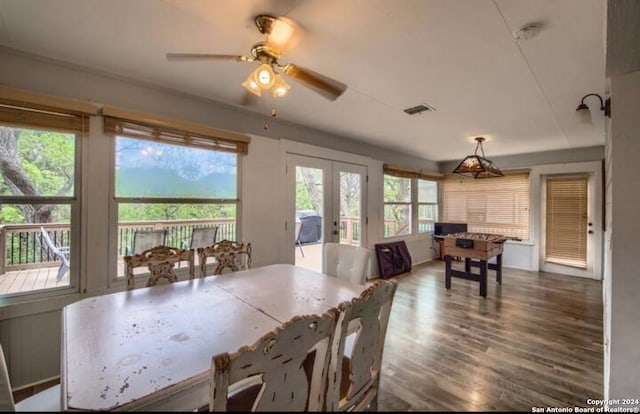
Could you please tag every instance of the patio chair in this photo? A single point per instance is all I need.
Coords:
(146, 239)
(201, 237)
(61, 252)
(160, 261)
(285, 370)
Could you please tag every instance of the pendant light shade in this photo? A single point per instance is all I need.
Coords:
(264, 78)
(477, 166)
(583, 113)
(252, 86)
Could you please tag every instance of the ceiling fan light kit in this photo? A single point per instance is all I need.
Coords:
(279, 33)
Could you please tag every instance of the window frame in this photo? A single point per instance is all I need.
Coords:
(75, 207)
(115, 202)
(414, 205)
(419, 203)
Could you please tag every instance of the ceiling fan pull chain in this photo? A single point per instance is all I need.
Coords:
(266, 121)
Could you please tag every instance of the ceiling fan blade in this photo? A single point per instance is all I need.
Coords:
(200, 56)
(325, 86)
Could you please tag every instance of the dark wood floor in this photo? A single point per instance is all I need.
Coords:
(535, 341)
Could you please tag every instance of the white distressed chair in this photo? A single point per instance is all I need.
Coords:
(48, 400)
(354, 385)
(160, 262)
(229, 255)
(285, 370)
(346, 262)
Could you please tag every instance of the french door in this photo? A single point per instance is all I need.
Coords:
(568, 225)
(327, 203)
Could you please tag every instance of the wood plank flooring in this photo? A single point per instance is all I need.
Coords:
(535, 341)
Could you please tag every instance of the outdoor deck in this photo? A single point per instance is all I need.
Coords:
(28, 280)
(312, 256)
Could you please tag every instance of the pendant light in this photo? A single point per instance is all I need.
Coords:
(476, 166)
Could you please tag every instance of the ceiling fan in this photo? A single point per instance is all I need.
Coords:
(279, 33)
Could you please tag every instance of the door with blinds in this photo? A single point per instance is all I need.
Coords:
(567, 226)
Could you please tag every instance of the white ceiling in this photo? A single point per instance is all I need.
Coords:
(458, 56)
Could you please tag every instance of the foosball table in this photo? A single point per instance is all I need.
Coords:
(476, 249)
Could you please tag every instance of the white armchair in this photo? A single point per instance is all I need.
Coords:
(346, 262)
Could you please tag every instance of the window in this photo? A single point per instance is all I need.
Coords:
(39, 194)
(489, 205)
(427, 205)
(410, 201)
(171, 180)
(397, 206)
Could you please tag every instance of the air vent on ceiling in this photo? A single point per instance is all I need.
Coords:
(419, 109)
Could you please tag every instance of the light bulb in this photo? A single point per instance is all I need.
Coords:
(264, 76)
(280, 87)
(252, 86)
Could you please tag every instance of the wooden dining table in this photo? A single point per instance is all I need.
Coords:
(151, 348)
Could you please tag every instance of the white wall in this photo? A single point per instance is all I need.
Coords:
(622, 323)
(622, 278)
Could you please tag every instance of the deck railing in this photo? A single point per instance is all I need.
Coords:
(23, 247)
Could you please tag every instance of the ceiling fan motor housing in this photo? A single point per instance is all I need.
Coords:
(265, 52)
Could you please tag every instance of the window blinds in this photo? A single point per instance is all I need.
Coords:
(403, 172)
(566, 221)
(489, 205)
(24, 109)
(129, 124)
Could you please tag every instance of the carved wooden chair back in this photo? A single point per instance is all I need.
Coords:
(360, 347)
(160, 261)
(229, 255)
(271, 375)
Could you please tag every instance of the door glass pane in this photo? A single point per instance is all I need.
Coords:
(309, 217)
(350, 208)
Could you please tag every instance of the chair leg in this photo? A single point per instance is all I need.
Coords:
(301, 251)
(61, 271)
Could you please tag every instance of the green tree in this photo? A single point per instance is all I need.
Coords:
(39, 164)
